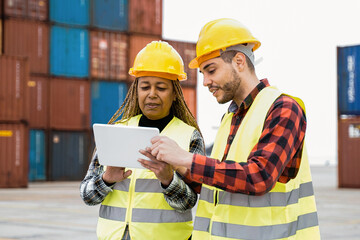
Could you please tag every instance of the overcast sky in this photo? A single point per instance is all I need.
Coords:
(298, 55)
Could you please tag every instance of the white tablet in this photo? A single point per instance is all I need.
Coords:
(119, 145)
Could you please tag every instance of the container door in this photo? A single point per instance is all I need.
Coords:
(37, 156)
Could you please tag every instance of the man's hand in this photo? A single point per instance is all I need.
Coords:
(167, 150)
(115, 174)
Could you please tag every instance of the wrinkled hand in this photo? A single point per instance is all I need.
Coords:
(115, 174)
(163, 171)
(167, 150)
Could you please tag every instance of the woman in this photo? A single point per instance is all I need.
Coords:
(154, 203)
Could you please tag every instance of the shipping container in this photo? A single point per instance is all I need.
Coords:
(106, 99)
(116, 12)
(71, 12)
(38, 88)
(109, 53)
(30, 39)
(14, 75)
(37, 155)
(349, 151)
(15, 8)
(69, 104)
(38, 9)
(136, 43)
(69, 52)
(33, 9)
(187, 52)
(14, 145)
(145, 16)
(348, 74)
(190, 99)
(69, 155)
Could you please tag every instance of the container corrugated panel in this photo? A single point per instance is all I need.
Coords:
(348, 80)
(106, 99)
(108, 55)
(69, 155)
(38, 9)
(28, 38)
(187, 52)
(116, 12)
(136, 43)
(14, 145)
(15, 8)
(14, 75)
(37, 155)
(1, 36)
(33, 9)
(38, 87)
(145, 16)
(190, 99)
(71, 12)
(69, 52)
(69, 104)
(349, 152)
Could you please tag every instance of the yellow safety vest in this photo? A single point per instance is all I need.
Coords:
(288, 211)
(139, 202)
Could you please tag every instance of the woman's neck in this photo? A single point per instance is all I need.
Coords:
(159, 123)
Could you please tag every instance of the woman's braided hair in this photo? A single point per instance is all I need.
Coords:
(130, 106)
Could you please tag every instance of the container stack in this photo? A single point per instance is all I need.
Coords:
(70, 63)
(348, 75)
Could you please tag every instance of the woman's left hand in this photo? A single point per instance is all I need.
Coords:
(163, 171)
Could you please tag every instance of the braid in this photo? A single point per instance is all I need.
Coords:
(130, 106)
(180, 109)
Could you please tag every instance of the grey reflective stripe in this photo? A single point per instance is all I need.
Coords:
(264, 232)
(112, 213)
(160, 216)
(123, 185)
(207, 195)
(271, 199)
(148, 185)
(201, 224)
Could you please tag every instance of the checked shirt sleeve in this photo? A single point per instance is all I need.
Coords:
(276, 157)
(93, 189)
(181, 194)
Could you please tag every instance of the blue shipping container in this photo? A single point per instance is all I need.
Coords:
(69, 52)
(110, 14)
(72, 12)
(69, 155)
(106, 98)
(37, 163)
(348, 67)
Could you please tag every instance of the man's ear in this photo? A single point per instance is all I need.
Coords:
(239, 60)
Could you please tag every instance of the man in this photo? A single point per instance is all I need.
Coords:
(257, 183)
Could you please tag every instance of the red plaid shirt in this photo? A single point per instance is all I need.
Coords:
(276, 157)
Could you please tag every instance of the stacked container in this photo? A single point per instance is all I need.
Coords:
(348, 76)
(69, 90)
(14, 139)
(66, 67)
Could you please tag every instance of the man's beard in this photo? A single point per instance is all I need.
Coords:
(230, 88)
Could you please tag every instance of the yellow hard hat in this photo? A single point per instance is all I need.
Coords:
(218, 35)
(158, 59)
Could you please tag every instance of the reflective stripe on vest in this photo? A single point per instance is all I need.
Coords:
(139, 202)
(288, 210)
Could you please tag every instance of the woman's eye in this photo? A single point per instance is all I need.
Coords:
(161, 89)
(145, 88)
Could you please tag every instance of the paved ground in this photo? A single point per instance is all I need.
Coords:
(54, 210)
